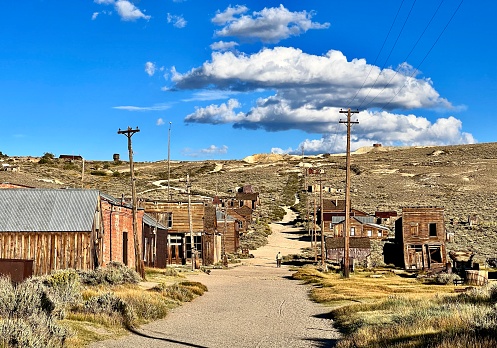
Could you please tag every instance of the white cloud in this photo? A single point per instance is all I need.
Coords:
(210, 95)
(270, 25)
(214, 149)
(311, 80)
(207, 152)
(160, 122)
(128, 11)
(177, 21)
(228, 15)
(94, 16)
(223, 46)
(158, 107)
(217, 114)
(150, 68)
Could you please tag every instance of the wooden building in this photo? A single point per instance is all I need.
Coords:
(175, 217)
(65, 228)
(229, 225)
(420, 232)
(333, 208)
(154, 242)
(359, 248)
(57, 229)
(360, 226)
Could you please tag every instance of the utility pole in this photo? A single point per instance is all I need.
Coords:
(323, 247)
(169, 161)
(346, 271)
(190, 223)
(139, 266)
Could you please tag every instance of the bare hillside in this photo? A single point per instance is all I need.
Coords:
(462, 178)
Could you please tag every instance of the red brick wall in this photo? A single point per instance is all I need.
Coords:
(116, 220)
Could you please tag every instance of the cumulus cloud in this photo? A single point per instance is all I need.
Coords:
(126, 10)
(217, 114)
(177, 21)
(305, 92)
(94, 16)
(270, 25)
(160, 122)
(311, 80)
(150, 68)
(223, 46)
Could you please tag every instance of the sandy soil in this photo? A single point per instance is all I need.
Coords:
(254, 304)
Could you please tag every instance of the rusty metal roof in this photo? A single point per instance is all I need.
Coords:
(47, 210)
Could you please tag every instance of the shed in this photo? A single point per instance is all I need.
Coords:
(359, 248)
(57, 229)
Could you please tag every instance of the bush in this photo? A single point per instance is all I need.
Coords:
(110, 304)
(446, 278)
(27, 316)
(115, 273)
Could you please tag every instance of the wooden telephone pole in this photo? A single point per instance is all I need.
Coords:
(346, 271)
(139, 266)
(190, 222)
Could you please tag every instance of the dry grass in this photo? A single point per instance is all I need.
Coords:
(392, 311)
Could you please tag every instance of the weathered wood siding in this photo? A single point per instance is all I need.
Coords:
(361, 230)
(49, 250)
(179, 211)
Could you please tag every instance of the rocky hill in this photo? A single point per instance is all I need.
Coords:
(462, 179)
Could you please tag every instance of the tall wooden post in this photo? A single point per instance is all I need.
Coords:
(169, 162)
(346, 261)
(139, 266)
(190, 222)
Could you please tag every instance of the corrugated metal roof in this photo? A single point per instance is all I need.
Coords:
(47, 210)
(148, 220)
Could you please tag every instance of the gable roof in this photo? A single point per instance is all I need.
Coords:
(47, 210)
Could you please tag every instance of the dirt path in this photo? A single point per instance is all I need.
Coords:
(251, 305)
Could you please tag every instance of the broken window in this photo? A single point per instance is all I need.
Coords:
(435, 254)
(433, 230)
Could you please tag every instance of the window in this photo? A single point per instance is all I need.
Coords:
(433, 230)
(352, 231)
(169, 223)
(369, 233)
(414, 230)
(379, 234)
(331, 226)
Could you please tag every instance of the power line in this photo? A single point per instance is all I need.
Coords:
(378, 55)
(389, 54)
(424, 58)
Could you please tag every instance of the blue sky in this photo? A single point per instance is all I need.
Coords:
(234, 79)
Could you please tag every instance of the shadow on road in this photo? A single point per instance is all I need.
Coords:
(185, 344)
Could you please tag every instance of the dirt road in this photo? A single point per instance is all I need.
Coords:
(251, 305)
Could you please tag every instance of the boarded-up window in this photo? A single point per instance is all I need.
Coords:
(433, 230)
(414, 230)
